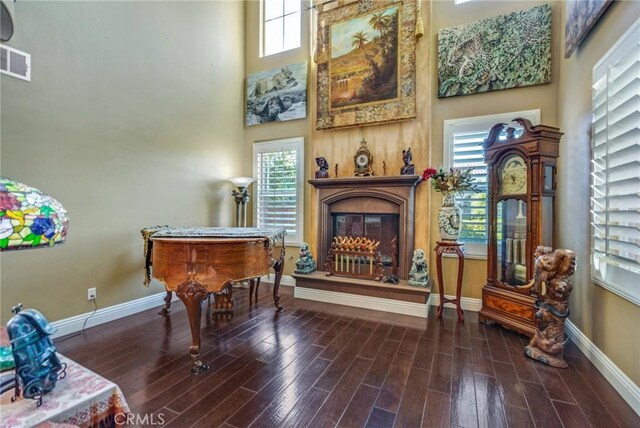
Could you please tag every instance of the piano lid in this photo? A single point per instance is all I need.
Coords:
(272, 234)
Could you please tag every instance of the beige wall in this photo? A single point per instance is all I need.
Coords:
(543, 97)
(276, 130)
(608, 320)
(132, 118)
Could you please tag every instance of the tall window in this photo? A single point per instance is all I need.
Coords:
(464, 140)
(281, 22)
(615, 182)
(278, 168)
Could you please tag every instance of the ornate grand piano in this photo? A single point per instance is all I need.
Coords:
(195, 262)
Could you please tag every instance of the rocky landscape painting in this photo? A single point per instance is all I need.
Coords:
(277, 95)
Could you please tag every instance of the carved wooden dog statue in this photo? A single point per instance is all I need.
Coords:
(553, 268)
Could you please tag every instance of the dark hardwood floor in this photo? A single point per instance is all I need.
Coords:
(323, 365)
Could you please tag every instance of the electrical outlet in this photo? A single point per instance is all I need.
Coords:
(91, 293)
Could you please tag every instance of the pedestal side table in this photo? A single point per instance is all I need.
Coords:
(457, 248)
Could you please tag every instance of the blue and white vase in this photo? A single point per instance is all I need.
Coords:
(449, 218)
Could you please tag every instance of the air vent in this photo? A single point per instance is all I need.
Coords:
(15, 63)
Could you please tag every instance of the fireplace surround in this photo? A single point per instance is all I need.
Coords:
(387, 197)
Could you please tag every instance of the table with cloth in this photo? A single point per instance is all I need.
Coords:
(83, 398)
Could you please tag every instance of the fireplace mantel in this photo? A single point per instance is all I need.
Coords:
(395, 181)
(381, 195)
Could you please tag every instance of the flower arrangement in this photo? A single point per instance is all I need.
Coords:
(452, 182)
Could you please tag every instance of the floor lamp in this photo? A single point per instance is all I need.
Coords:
(241, 196)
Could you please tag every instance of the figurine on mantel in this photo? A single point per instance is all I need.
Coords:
(323, 167)
(419, 273)
(408, 168)
(305, 264)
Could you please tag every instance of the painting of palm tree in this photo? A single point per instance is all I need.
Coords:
(365, 63)
(363, 66)
(379, 21)
(360, 42)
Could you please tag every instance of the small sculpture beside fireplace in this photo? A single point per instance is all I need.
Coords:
(356, 257)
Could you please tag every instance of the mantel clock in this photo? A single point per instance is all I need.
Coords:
(363, 161)
(521, 216)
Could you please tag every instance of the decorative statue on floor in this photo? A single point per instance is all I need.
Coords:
(323, 167)
(305, 264)
(38, 368)
(552, 268)
(408, 168)
(419, 273)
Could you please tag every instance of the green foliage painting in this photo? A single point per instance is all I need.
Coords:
(502, 52)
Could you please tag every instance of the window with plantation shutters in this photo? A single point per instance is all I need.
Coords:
(464, 140)
(615, 178)
(278, 188)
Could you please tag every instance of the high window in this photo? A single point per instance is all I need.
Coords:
(278, 168)
(464, 140)
(281, 24)
(615, 177)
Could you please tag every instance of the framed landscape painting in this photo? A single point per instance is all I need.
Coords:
(366, 64)
(506, 51)
(582, 15)
(277, 95)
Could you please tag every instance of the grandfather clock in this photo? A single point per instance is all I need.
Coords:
(521, 214)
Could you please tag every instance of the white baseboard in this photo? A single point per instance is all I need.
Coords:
(110, 313)
(616, 377)
(287, 280)
(467, 303)
(367, 302)
(74, 324)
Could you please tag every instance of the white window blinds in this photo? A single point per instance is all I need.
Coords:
(279, 178)
(615, 184)
(468, 153)
(464, 139)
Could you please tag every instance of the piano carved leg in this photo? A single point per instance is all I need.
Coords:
(278, 267)
(167, 303)
(192, 293)
(254, 286)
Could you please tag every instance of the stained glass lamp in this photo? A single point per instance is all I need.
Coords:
(29, 218)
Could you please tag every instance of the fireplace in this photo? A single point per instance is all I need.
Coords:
(365, 208)
(378, 208)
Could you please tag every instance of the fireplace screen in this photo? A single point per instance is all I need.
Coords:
(378, 227)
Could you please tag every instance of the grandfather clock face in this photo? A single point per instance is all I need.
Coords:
(513, 176)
